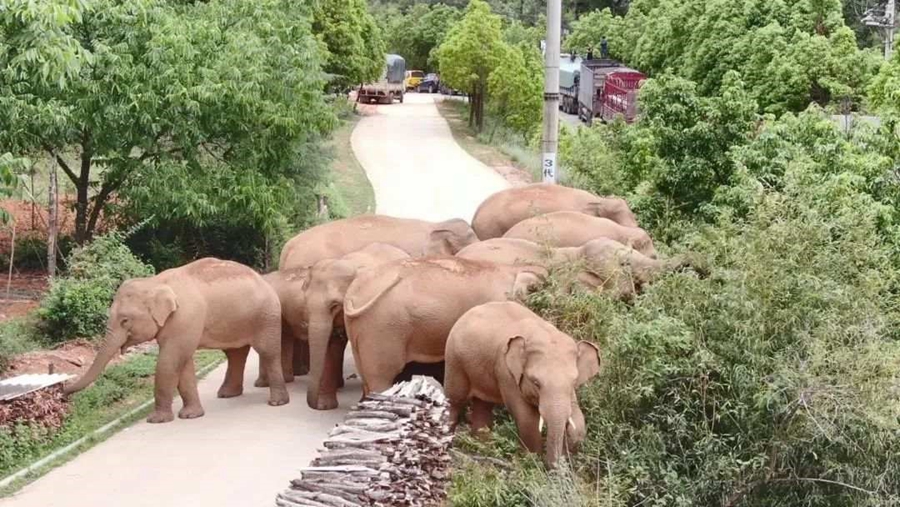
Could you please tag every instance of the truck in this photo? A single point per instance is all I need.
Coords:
(389, 87)
(607, 89)
(569, 76)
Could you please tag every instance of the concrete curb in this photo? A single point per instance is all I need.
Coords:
(99, 431)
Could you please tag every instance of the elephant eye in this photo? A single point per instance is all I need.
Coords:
(125, 321)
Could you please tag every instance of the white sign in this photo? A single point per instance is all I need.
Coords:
(549, 167)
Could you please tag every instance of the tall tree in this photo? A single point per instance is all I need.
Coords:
(353, 41)
(472, 50)
(174, 90)
(516, 89)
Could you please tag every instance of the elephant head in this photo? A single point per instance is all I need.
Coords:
(548, 372)
(449, 237)
(139, 310)
(613, 208)
(324, 295)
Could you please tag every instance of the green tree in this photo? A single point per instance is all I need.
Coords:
(472, 50)
(516, 89)
(416, 34)
(175, 90)
(788, 53)
(353, 41)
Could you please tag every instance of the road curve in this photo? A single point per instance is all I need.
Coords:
(242, 452)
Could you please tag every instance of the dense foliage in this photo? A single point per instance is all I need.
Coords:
(196, 114)
(470, 53)
(76, 305)
(789, 53)
(355, 49)
(416, 33)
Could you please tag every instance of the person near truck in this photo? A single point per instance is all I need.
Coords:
(604, 48)
(590, 53)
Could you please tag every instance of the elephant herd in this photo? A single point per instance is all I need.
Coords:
(400, 291)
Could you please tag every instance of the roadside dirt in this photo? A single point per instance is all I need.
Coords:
(72, 357)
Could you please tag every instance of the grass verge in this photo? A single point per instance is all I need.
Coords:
(353, 186)
(495, 147)
(120, 389)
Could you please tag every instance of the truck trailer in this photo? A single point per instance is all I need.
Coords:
(607, 89)
(569, 75)
(389, 87)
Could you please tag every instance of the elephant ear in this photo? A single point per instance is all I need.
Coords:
(439, 243)
(588, 362)
(525, 280)
(162, 304)
(515, 357)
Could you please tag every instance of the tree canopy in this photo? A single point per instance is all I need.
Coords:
(354, 43)
(471, 51)
(175, 96)
(788, 53)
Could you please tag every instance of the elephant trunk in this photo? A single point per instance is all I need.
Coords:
(684, 262)
(111, 346)
(557, 416)
(322, 391)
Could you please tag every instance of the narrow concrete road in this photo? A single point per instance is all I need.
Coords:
(242, 452)
(415, 166)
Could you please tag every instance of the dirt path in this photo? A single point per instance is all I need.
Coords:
(243, 452)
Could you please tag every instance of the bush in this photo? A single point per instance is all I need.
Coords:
(31, 252)
(16, 336)
(76, 304)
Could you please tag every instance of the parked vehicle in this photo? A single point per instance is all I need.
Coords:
(431, 84)
(413, 78)
(389, 87)
(608, 89)
(446, 90)
(569, 76)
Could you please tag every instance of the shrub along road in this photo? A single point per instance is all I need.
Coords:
(242, 452)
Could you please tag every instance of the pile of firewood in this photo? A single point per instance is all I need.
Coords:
(45, 407)
(391, 450)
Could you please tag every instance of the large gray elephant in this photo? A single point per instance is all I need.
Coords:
(570, 228)
(601, 263)
(504, 209)
(209, 303)
(502, 353)
(324, 296)
(335, 239)
(403, 311)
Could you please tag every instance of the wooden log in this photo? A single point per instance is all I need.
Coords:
(322, 498)
(373, 414)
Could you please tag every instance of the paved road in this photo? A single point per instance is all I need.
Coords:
(415, 166)
(243, 451)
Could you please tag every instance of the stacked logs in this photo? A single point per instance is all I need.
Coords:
(392, 449)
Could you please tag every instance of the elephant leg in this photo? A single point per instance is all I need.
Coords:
(287, 353)
(340, 349)
(300, 358)
(187, 388)
(233, 385)
(456, 386)
(527, 422)
(168, 367)
(381, 362)
(482, 415)
(268, 345)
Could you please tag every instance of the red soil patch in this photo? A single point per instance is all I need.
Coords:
(73, 357)
(29, 218)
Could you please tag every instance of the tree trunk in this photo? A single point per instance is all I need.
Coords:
(82, 185)
(472, 109)
(53, 224)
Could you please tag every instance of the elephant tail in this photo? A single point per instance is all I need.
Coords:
(351, 312)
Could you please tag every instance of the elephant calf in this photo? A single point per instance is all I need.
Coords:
(290, 287)
(210, 304)
(402, 312)
(570, 228)
(502, 353)
(504, 209)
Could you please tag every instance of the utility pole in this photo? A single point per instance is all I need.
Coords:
(889, 32)
(550, 139)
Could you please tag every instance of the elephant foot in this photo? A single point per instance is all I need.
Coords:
(262, 382)
(160, 416)
(279, 398)
(230, 391)
(323, 403)
(190, 412)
